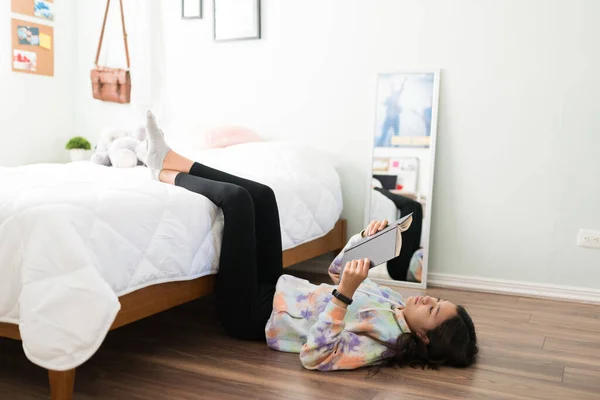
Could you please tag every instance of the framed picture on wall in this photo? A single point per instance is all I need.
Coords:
(236, 20)
(406, 108)
(191, 9)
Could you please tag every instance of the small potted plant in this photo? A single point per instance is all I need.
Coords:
(79, 148)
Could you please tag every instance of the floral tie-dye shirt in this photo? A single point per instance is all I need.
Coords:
(328, 337)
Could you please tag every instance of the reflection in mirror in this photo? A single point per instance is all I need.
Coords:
(402, 169)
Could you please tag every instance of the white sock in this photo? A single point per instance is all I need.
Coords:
(157, 146)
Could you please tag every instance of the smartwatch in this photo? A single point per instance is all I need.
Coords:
(341, 297)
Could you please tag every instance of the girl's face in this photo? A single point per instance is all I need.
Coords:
(424, 313)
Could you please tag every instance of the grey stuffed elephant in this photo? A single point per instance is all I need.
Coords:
(120, 148)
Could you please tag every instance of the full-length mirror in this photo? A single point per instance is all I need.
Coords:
(402, 170)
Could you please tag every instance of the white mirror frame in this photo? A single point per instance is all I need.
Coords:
(428, 206)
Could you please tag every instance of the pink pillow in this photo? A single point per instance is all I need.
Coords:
(228, 136)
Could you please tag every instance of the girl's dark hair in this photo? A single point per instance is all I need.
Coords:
(453, 343)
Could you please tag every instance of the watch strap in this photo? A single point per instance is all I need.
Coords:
(341, 297)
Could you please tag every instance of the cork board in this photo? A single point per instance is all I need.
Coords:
(31, 54)
(45, 8)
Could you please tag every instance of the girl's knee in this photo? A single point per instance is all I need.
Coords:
(264, 193)
(237, 196)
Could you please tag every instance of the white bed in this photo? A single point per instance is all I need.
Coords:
(305, 183)
(74, 237)
(382, 208)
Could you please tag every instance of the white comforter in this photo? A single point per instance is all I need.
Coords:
(382, 208)
(75, 237)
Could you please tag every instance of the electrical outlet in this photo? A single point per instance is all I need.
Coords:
(588, 238)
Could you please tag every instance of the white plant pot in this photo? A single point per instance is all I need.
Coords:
(80, 155)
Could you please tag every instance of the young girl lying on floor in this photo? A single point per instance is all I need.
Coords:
(351, 325)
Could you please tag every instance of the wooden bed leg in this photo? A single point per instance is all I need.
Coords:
(62, 384)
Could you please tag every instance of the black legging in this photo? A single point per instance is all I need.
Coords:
(411, 239)
(250, 262)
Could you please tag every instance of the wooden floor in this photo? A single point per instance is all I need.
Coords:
(530, 349)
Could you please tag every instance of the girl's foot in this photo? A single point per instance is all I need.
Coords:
(157, 146)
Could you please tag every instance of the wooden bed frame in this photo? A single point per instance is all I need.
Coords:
(157, 298)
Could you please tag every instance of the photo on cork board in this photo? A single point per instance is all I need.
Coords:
(25, 60)
(43, 9)
(28, 35)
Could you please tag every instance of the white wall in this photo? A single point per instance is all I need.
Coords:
(36, 112)
(146, 48)
(516, 168)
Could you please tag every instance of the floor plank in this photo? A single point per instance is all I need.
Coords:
(573, 346)
(582, 377)
(560, 307)
(565, 321)
(536, 369)
(549, 357)
(530, 349)
(492, 336)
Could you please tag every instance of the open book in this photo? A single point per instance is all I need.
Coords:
(382, 246)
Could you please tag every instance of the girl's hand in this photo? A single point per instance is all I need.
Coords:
(355, 272)
(374, 227)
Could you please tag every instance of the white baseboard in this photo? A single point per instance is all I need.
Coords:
(526, 289)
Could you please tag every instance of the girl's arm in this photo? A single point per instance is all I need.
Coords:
(336, 266)
(328, 345)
